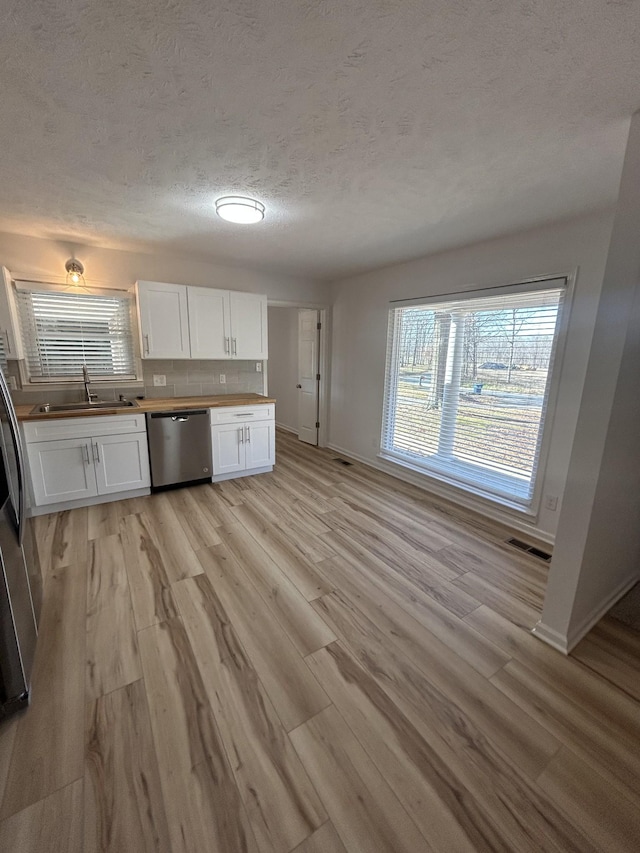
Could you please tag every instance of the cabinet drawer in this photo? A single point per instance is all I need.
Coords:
(59, 428)
(240, 414)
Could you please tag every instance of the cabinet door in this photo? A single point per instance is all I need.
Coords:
(228, 448)
(164, 320)
(62, 470)
(260, 444)
(248, 325)
(9, 328)
(209, 323)
(122, 462)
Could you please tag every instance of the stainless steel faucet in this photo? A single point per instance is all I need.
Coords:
(87, 381)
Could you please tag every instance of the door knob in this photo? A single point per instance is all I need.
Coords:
(298, 386)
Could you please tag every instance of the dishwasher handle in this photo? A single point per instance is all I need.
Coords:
(179, 416)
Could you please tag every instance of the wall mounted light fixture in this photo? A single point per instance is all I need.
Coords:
(241, 210)
(75, 272)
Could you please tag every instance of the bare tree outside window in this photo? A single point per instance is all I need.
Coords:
(469, 385)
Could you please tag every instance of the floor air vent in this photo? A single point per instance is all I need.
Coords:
(342, 461)
(529, 549)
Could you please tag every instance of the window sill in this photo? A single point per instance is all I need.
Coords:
(529, 511)
(74, 386)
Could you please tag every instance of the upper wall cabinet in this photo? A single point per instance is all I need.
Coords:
(248, 329)
(209, 323)
(9, 327)
(177, 321)
(164, 320)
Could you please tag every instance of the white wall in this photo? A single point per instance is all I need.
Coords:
(45, 259)
(283, 364)
(360, 313)
(597, 553)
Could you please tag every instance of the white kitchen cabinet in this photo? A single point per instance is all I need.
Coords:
(164, 320)
(260, 444)
(121, 462)
(248, 330)
(75, 459)
(9, 327)
(177, 322)
(62, 470)
(209, 323)
(228, 449)
(243, 440)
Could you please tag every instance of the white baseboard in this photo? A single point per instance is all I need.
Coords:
(507, 520)
(286, 428)
(567, 642)
(552, 638)
(600, 610)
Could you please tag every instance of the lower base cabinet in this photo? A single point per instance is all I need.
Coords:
(121, 463)
(86, 466)
(240, 443)
(80, 459)
(62, 471)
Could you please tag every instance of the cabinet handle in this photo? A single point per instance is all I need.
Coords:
(146, 344)
(8, 341)
(85, 453)
(235, 346)
(241, 431)
(226, 345)
(248, 429)
(96, 452)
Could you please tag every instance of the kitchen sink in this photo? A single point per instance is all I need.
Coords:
(83, 407)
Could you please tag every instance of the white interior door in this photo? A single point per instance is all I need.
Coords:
(308, 383)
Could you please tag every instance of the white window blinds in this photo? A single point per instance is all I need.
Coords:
(468, 385)
(61, 331)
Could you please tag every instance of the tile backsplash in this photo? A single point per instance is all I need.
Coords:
(190, 378)
(184, 378)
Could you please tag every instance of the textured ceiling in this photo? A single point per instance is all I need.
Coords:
(373, 130)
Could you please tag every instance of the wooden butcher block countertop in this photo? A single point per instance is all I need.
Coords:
(157, 404)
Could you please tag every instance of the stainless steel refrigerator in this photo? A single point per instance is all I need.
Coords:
(20, 576)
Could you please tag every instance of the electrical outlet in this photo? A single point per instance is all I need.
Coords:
(223, 379)
(159, 380)
(551, 502)
(258, 367)
(13, 385)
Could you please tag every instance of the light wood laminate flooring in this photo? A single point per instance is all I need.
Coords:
(321, 660)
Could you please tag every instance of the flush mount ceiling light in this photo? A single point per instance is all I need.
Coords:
(241, 210)
(75, 271)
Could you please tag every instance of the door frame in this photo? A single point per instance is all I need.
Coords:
(324, 361)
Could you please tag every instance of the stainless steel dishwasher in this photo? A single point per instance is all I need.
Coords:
(179, 447)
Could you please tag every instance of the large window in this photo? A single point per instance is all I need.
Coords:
(62, 331)
(467, 390)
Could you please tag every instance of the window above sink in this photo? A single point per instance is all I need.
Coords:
(62, 331)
